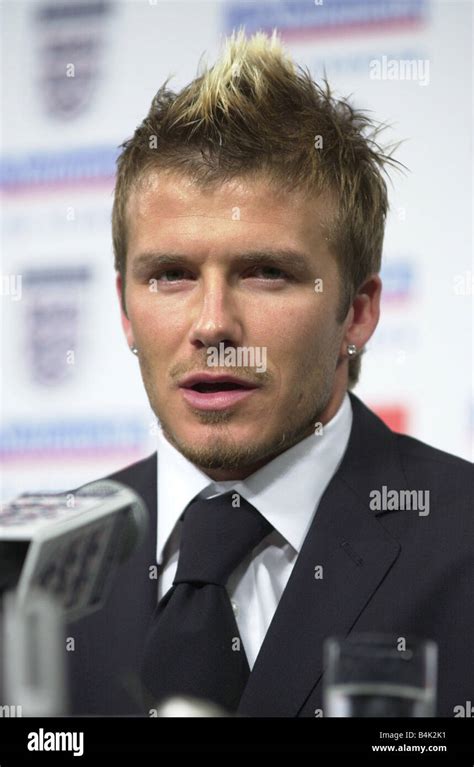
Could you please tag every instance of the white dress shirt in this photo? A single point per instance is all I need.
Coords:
(286, 491)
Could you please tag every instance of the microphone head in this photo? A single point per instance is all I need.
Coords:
(74, 542)
(135, 523)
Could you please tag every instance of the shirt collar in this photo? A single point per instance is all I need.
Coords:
(286, 491)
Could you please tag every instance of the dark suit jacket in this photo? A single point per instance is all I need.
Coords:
(387, 571)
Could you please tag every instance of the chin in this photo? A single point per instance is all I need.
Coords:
(217, 436)
(217, 447)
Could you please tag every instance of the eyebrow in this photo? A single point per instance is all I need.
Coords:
(293, 260)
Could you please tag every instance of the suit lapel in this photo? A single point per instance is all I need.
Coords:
(353, 552)
(141, 477)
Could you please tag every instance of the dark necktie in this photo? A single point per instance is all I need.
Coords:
(193, 646)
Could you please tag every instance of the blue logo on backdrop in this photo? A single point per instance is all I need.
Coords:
(102, 435)
(71, 166)
(398, 280)
(327, 16)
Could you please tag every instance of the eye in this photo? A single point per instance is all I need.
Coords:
(170, 275)
(269, 273)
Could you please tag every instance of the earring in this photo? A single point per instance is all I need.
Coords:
(134, 350)
(351, 350)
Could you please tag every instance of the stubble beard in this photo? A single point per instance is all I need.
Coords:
(223, 452)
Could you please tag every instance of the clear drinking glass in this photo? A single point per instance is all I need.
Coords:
(372, 675)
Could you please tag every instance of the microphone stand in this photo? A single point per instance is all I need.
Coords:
(32, 660)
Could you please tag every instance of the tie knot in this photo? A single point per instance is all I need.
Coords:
(216, 537)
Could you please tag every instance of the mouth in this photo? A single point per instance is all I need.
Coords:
(207, 392)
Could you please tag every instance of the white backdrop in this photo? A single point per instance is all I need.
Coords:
(72, 403)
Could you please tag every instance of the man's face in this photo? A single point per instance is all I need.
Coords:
(226, 284)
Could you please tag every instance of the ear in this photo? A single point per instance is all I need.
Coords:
(126, 324)
(363, 315)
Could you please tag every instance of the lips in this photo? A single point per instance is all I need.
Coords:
(204, 391)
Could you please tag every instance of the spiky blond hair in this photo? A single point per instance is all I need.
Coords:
(255, 111)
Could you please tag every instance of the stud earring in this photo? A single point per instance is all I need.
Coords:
(134, 350)
(351, 350)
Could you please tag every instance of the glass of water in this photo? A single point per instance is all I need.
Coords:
(372, 675)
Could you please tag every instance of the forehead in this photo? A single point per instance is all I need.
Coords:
(167, 206)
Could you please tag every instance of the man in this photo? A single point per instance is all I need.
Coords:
(248, 226)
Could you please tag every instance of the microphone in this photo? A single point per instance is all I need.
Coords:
(58, 557)
(69, 545)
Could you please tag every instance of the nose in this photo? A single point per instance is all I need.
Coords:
(215, 315)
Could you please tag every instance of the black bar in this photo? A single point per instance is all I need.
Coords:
(450, 741)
